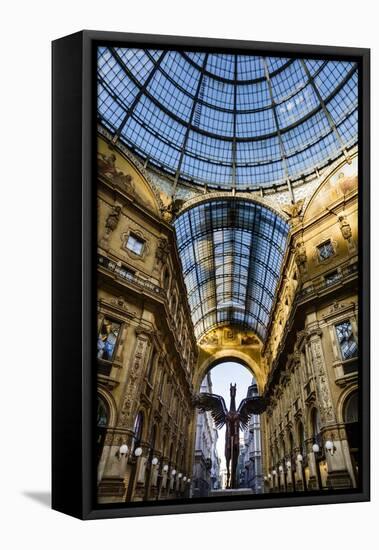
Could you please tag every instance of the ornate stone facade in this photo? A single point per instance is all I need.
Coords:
(150, 366)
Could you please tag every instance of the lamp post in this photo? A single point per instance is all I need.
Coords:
(316, 452)
(290, 475)
(330, 447)
(123, 458)
(299, 460)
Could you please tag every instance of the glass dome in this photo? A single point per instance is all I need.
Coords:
(227, 120)
(232, 253)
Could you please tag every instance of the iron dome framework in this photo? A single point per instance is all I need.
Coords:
(231, 252)
(227, 120)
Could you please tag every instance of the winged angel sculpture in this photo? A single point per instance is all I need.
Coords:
(234, 420)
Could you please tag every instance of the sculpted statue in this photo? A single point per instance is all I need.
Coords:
(107, 164)
(210, 339)
(300, 255)
(111, 223)
(346, 184)
(163, 249)
(247, 340)
(113, 218)
(293, 210)
(345, 227)
(234, 419)
(107, 167)
(170, 211)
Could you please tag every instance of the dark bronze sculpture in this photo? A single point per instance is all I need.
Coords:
(234, 419)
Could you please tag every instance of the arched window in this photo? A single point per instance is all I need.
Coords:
(301, 438)
(102, 423)
(171, 454)
(351, 409)
(290, 438)
(316, 428)
(150, 367)
(353, 432)
(153, 438)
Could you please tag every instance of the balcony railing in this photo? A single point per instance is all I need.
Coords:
(127, 275)
(344, 272)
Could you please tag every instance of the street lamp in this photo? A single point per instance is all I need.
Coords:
(329, 446)
(173, 472)
(180, 475)
(274, 472)
(123, 450)
(165, 468)
(184, 479)
(138, 451)
(154, 461)
(315, 448)
(299, 458)
(288, 464)
(281, 469)
(188, 480)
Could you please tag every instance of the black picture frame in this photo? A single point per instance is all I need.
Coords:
(74, 280)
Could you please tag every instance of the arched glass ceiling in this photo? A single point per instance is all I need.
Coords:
(231, 252)
(228, 120)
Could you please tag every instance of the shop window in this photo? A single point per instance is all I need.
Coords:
(351, 408)
(325, 250)
(135, 244)
(137, 429)
(102, 423)
(107, 339)
(346, 339)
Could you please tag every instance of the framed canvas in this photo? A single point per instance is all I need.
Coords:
(210, 275)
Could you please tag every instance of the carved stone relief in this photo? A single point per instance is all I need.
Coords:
(130, 399)
(326, 406)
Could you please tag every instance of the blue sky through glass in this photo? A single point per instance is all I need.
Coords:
(228, 120)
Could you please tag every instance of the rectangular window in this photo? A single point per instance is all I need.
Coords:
(135, 244)
(325, 250)
(346, 339)
(107, 339)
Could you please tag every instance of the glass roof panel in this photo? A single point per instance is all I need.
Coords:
(219, 119)
(231, 252)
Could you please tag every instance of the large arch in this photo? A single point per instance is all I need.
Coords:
(233, 355)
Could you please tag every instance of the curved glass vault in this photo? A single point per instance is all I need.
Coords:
(231, 252)
(229, 121)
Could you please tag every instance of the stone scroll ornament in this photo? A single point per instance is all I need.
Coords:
(233, 419)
